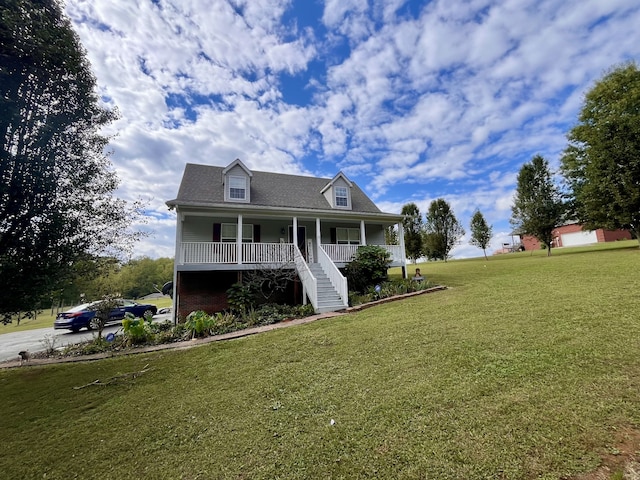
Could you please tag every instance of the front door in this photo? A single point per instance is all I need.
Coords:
(302, 239)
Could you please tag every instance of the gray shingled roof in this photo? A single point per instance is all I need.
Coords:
(202, 185)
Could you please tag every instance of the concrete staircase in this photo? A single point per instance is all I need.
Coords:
(328, 298)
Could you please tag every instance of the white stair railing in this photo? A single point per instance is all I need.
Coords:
(309, 282)
(338, 280)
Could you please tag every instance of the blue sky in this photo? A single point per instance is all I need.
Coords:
(412, 100)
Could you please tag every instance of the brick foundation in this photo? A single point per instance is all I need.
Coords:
(207, 291)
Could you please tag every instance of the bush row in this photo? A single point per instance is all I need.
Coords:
(144, 332)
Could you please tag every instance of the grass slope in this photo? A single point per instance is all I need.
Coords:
(525, 368)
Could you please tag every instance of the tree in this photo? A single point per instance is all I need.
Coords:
(103, 311)
(434, 247)
(57, 184)
(144, 275)
(601, 165)
(481, 232)
(442, 228)
(412, 224)
(537, 207)
(391, 235)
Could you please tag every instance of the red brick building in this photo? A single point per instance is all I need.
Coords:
(572, 235)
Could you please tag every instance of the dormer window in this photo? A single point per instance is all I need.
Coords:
(342, 198)
(237, 182)
(237, 188)
(338, 192)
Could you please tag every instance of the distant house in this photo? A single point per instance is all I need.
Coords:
(231, 220)
(572, 235)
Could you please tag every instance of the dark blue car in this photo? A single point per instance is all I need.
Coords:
(83, 315)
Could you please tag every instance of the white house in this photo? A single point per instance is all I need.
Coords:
(232, 219)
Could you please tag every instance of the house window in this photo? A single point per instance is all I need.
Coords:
(237, 188)
(342, 200)
(228, 232)
(348, 236)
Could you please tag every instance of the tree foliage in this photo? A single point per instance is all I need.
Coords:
(413, 227)
(538, 207)
(481, 232)
(368, 267)
(141, 276)
(57, 184)
(92, 279)
(601, 165)
(391, 235)
(442, 229)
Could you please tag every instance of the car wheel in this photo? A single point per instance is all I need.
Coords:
(148, 313)
(94, 323)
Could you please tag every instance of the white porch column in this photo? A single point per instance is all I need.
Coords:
(295, 231)
(179, 258)
(401, 241)
(239, 239)
(363, 237)
(318, 235)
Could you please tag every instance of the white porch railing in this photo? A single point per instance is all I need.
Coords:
(227, 252)
(209, 252)
(309, 282)
(267, 253)
(340, 253)
(345, 253)
(338, 280)
(395, 251)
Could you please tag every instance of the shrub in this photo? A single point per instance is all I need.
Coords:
(240, 297)
(137, 330)
(385, 290)
(199, 324)
(225, 323)
(368, 267)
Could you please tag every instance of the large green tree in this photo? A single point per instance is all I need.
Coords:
(442, 228)
(481, 232)
(56, 183)
(413, 226)
(144, 275)
(537, 207)
(602, 162)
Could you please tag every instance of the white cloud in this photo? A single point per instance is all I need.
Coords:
(446, 102)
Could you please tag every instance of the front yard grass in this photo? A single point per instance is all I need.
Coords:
(527, 367)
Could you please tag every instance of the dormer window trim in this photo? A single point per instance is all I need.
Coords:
(237, 182)
(338, 195)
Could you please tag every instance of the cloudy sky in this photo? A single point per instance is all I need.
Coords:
(413, 100)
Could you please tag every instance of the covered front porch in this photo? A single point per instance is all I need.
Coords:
(243, 241)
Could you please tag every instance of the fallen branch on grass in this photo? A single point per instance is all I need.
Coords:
(115, 378)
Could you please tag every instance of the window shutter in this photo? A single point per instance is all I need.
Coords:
(256, 233)
(216, 232)
(334, 236)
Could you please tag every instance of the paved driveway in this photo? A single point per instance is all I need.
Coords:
(36, 340)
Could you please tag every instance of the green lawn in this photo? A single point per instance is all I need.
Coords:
(45, 318)
(527, 367)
